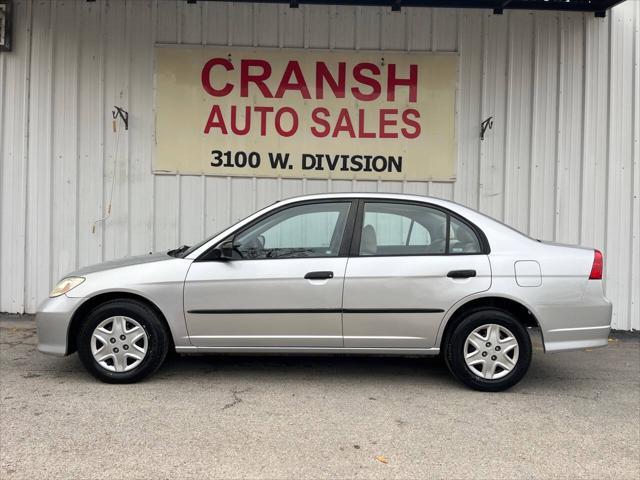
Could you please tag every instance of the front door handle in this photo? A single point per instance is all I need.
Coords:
(318, 275)
(461, 273)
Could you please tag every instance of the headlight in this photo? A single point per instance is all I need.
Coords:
(65, 285)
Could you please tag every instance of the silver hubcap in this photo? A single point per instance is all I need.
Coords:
(119, 344)
(491, 351)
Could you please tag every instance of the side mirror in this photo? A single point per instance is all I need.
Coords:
(224, 251)
(227, 250)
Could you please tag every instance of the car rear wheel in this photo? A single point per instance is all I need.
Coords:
(122, 341)
(489, 350)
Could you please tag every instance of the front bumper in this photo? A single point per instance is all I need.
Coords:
(52, 321)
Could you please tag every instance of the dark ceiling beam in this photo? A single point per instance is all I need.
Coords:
(599, 7)
(500, 6)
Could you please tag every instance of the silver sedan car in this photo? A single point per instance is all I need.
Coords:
(338, 273)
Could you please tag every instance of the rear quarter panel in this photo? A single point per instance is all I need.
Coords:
(572, 310)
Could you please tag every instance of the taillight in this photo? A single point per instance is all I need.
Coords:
(596, 268)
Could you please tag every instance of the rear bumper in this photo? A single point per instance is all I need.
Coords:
(576, 327)
(52, 322)
(576, 339)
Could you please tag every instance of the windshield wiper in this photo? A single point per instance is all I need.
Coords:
(177, 251)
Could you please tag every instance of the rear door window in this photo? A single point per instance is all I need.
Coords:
(410, 229)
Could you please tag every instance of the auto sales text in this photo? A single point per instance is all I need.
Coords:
(365, 82)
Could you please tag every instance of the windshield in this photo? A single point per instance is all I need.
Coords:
(184, 251)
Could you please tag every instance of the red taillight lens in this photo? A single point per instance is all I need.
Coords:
(596, 268)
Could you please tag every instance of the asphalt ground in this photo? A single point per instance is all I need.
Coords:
(575, 415)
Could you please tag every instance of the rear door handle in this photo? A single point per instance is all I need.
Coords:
(461, 273)
(318, 275)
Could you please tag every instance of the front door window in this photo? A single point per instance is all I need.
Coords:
(310, 230)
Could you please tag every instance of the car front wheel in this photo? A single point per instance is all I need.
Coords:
(122, 341)
(489, 350)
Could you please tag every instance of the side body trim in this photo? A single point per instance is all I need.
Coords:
(257, 311)
(312, 350)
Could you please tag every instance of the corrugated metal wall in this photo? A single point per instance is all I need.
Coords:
(561, 162)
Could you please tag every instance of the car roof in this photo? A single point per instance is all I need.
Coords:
(376, 195)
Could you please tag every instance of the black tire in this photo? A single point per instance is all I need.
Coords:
(455, 349)
(157, 338)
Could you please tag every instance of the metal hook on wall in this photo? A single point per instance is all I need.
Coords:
(123, 114)
(486, 124)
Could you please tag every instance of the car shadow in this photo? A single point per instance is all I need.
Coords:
(258, 367)
(546, 375)
(309, 368)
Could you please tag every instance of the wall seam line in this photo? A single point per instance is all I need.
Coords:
(583, 122)
(78, 13)
(559, 99)
(52, 21)
(608, 154)
(25, 152)
(634, 160)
